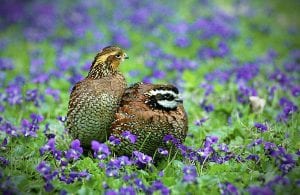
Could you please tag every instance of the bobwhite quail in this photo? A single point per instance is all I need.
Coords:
(148, 112)
(94, 100)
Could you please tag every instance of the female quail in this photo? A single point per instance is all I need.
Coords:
(95, 99)
(149, 112)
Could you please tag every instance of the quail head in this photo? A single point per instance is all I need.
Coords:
(148, 112)
(94, 100)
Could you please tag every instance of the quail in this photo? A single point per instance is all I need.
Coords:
(94, 100)
(149, 112)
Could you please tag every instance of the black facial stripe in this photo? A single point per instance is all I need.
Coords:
(169, 88)
(153, 101)
(168, 97)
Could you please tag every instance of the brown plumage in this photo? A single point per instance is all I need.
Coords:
(94, 100)
(149, 112)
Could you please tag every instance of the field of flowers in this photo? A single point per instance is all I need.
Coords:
(237, 65)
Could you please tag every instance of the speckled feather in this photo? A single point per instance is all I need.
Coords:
(150, 125)
(92, 106)
(94, 100)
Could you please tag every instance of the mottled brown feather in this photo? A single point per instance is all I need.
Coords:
(148, 124)
(95, 100)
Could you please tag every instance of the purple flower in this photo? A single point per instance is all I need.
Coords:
(159, 186)
(223, 147)
(121, 39)
(189, 174)
(75, 150)
(260, 127)
(200, 122)
(205, 152)
(228, 189)
(110, 192)
(269, 146)
(112, 172)
(247, 71)
(75, 77)
(271, 91)
(284, 160)
(129, 177)
(182, 41)
(287, 163)
(41, 78)
(170, 139)
(114, 140)
(140, 16)
(3, 161)
(45, 170)
(295, 91)
(162, 151)
(150, 63)
(129, 136)
(27, 129)
(280, 77)
(278, 180)
(256, 142)
(255, 190)
(36, 118)
(6, 64)
(140, 185)
(127, 190)
(210, 140)
(9, 129)
(77, 20)
(159, 74)
(53, 92)
(101, 151)
(50, 146)
(207, 107)
(222, 76)
(180, 28)
(245, 92)
(134, 73)
(220, 25)
(62, 119)
(208, 88)
(161, 173)
(13, 94)
(141, 159)
(223, 49)
(79, 175)
(119, 162)
(48, 187)
(288, 109)
(30, 128)
(4, 143)
(2, 108)
(73, 176)
(253, 157)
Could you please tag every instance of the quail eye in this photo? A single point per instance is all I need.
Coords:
(159, 97)
(118, 56)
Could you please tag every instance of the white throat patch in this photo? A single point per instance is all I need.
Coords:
(168, 104)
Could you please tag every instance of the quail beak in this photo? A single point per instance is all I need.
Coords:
(179, 99)
(126, 56)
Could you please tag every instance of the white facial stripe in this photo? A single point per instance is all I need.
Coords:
(163, 92)
(167, 104)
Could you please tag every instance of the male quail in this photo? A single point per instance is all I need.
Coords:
(95, 99)
(149, 112)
